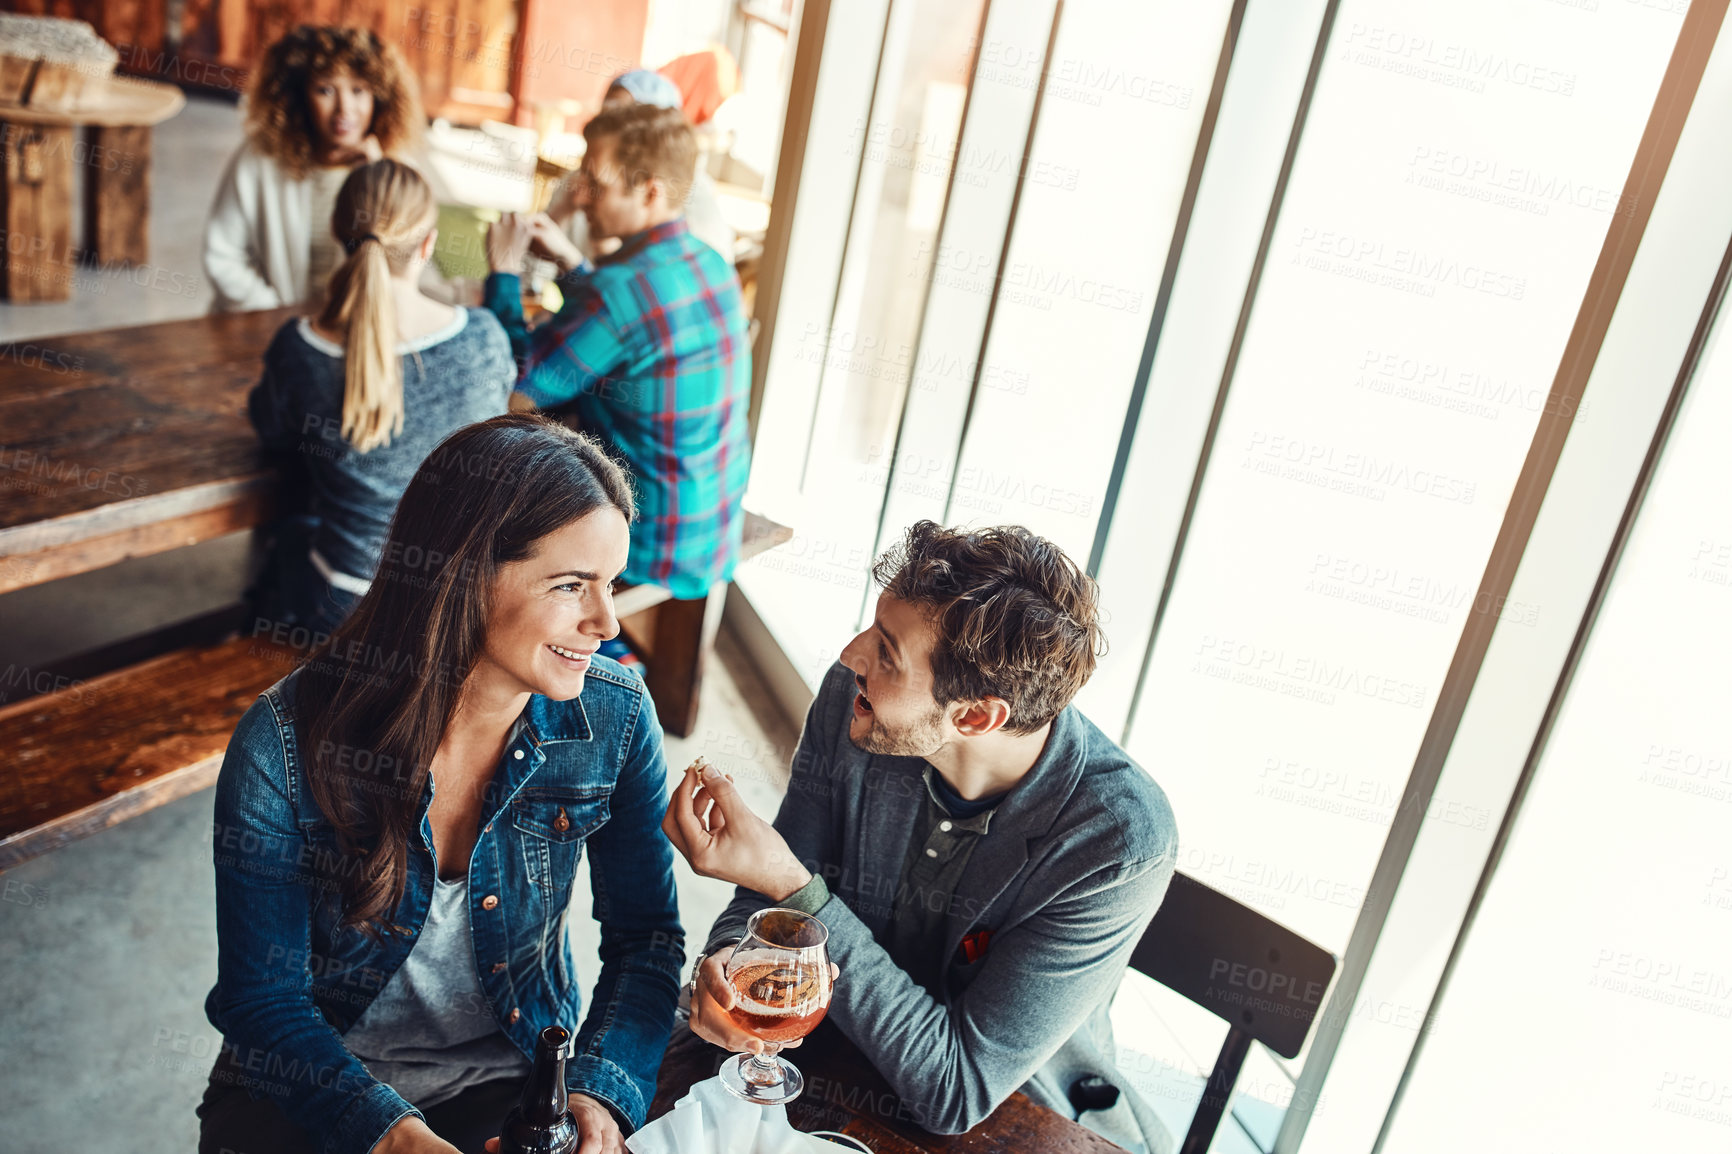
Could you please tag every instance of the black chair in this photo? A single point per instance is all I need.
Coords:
(1265, 981)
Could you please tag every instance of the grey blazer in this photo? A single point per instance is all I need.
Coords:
(1077, 860)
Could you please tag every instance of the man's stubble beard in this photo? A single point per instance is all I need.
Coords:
(923, 739)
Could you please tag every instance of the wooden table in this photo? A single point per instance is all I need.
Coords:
(40, 148)
(844, 1093)
(129, 442)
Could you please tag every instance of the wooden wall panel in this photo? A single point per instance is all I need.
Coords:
(469, 55)
(569, 51)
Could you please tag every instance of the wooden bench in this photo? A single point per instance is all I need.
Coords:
(674, 637)
(95, 753)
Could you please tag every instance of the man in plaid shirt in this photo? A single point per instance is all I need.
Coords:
(649, 349)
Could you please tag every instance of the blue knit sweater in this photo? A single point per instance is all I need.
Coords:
(451, 378)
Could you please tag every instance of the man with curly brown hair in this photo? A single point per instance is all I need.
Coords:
(322, 101)
(983, 857)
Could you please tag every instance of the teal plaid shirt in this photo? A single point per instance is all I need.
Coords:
(651, 350)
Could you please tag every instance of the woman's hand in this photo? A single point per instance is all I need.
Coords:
(595, 1122)
(548, 241)
(508, 243)
(599, 1132)
(369, 151)
(411, 1135)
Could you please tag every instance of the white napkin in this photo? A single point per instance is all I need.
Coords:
(709, 1120)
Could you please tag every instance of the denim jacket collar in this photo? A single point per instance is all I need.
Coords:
(558, 721)
(549, 721)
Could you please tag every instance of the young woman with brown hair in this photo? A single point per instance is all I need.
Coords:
(322, 101)
(398, 823)
(353, 400)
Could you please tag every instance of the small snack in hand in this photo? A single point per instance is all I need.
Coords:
(702, 767)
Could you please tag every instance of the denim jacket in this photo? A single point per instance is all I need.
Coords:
(291, 981)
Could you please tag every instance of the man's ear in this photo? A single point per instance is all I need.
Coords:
(979, 718)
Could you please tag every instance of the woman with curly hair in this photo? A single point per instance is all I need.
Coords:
(322, 101)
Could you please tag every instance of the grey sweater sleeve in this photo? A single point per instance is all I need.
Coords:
(1042, 977)
(498, 369)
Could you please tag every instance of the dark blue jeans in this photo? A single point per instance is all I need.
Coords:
(290, 590)
(231, 1121)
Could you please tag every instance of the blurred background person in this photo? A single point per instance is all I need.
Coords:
(702, 210)
(706, 80)
(355, 398)
(649, 351)
(322, 101)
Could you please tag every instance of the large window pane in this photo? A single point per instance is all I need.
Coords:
(1125, 95)
(1452, 189)
(1607, 930)
(837, 375)
(1647, 339)
(1455, 180)
(1258, 105)
(977, 215)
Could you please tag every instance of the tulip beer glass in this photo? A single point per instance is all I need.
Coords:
(780, 974)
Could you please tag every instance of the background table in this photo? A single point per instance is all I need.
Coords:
(129, 442)
(40, 150)
(844, 1093)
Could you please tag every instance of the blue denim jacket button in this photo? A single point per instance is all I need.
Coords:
(518, 754)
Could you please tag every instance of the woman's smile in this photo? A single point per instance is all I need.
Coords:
(572, 658)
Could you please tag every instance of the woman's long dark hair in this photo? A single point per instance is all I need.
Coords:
(377, 697)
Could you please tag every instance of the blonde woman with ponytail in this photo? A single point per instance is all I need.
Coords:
(352, 401)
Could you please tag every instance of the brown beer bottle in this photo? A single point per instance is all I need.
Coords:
(541, 1122)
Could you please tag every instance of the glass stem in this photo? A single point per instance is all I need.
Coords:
(765, 1066)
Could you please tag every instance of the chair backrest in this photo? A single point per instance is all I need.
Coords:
(1257, 975)
(1265, 981)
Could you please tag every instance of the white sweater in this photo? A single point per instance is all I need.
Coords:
(257, 241)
